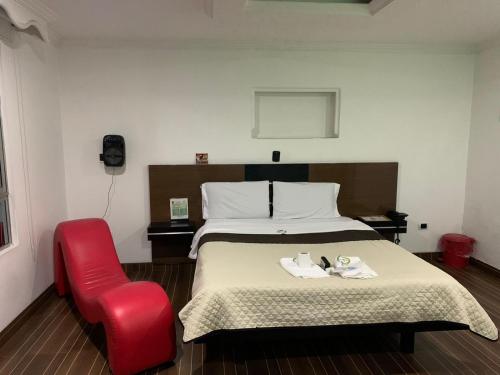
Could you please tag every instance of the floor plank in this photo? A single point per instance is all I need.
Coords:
(56, 340)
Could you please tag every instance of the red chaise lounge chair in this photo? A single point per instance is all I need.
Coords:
(137, 316)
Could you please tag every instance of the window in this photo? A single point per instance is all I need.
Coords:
(4, 197)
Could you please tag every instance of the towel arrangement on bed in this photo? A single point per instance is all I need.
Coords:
(346, 267)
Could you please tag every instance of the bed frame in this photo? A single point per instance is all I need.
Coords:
(366, 189)
(405, 330)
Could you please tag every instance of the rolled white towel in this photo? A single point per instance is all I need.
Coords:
(313, 272)
(352, 268)
(343, 262)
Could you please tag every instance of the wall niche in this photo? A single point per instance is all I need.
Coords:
(296, 113)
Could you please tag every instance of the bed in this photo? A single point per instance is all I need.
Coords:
(240, 288)
(240, 285)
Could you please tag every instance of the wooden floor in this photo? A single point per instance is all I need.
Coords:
(55, 340)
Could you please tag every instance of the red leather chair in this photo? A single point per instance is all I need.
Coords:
(137, 316)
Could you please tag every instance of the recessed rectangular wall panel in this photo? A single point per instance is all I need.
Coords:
(298, 113)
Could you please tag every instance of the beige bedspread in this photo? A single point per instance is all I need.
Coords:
(242, 285)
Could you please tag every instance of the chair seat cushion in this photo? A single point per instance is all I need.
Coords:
(87, 292)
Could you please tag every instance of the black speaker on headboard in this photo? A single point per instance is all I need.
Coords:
(113, 150)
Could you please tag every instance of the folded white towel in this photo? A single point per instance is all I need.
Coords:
(313, 272)
(352, 268)
(362, 272)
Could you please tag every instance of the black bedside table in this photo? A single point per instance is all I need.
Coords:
(389, 229)
(171, 241)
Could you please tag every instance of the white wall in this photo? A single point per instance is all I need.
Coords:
(410, 107)
(35, 169)
(482, 205)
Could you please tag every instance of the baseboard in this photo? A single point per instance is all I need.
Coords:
(134, 267)
(430, 256)
(157, 262)
(484, 266)
(10, 330)
(437, 256)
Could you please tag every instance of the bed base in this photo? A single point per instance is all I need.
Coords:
(406, 330)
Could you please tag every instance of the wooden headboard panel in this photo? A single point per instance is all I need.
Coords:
(366, 188)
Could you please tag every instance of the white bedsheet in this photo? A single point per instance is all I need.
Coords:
(270, 226)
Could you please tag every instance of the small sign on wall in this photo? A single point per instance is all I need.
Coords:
(201, 158)
(179, 209)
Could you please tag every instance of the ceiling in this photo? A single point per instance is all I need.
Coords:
(430, 22)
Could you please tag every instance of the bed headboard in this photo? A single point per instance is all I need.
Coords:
(366, 188)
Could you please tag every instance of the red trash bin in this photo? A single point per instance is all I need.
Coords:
(457, 249)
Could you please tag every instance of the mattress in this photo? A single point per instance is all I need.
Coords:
(239, 284)
(272, 226)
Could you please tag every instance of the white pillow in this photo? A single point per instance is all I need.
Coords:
(235, 200)
(311, 200)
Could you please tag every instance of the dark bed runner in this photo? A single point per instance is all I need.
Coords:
(302, 238)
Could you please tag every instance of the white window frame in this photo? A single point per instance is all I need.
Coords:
(21, 233)
(4, 191)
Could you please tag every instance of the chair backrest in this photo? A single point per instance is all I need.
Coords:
(89, 252)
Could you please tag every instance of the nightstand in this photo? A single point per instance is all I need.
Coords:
(388, 228)
(171, 241)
